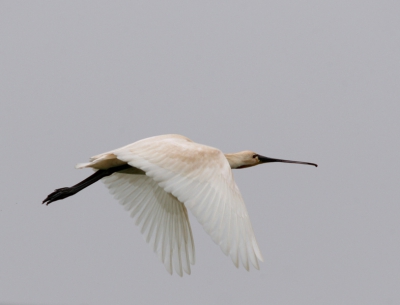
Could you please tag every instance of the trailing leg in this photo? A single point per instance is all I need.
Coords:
(65, 192)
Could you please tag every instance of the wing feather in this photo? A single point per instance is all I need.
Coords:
(200, 177)
(162, 218)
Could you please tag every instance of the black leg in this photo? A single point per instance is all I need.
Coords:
(65, 192)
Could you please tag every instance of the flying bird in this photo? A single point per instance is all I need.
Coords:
(157, 179)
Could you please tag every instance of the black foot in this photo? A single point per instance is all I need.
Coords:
(59, 194)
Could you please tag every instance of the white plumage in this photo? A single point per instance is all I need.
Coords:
(169, 174)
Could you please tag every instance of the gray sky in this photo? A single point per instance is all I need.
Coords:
(302, 80)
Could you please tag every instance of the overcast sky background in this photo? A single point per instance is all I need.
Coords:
(303, 80)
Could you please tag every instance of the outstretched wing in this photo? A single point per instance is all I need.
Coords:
(162, 218)
(201, 178)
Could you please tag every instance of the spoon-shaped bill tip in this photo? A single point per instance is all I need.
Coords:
(269, 160)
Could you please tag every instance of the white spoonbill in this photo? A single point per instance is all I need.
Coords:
(157, 178)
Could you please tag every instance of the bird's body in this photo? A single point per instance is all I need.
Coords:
(157, 179)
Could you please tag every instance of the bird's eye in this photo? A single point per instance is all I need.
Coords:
(255, 156)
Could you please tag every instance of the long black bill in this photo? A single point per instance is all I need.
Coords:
(65, 192)
(269, 160)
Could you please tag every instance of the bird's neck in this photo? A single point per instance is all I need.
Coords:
(235, 160)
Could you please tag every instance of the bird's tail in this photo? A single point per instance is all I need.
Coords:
(103, 161)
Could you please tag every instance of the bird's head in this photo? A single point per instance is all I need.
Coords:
(249, 158)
